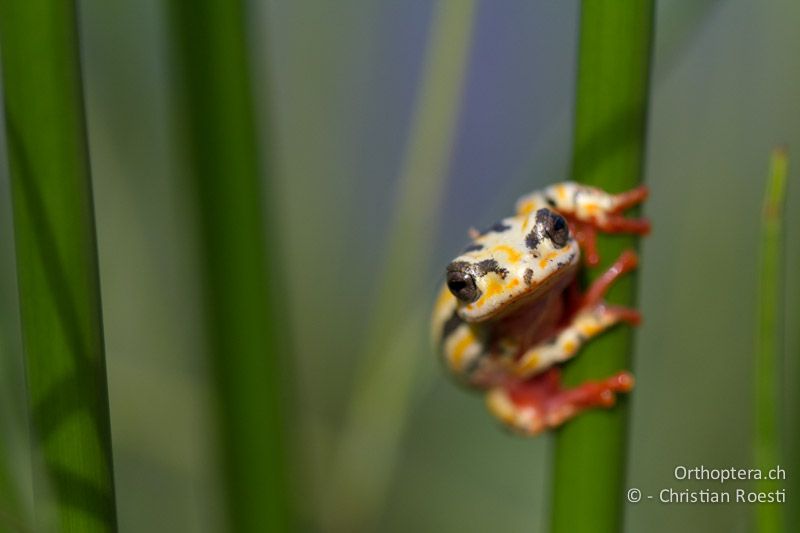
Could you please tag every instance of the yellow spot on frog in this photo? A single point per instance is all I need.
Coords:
(591, 209)
(443, 300)
(569, 346)
(526, 207)
(590, 330)
(561, 192)
(525, 224)
(493, 287)
(529, 364)
(501, 406)
(513, 283)
(512, 255)
(460, 348)
(546, 259)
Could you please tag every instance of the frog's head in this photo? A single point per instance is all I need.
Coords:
(516, 260)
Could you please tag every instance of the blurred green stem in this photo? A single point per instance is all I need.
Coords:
(768, 349)
(10, 508)
(397, 333)
(609, 143)
(57, 266)
(243, 323)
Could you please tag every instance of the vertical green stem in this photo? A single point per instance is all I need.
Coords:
(768, 349)
(609, 143)
(10, 508)
(57, 265)
(243, 326)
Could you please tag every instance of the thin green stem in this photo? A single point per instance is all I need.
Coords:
(13, 415)
(768, 348)
(57, 266)
(10, 508)
(12, 513)
(609, 143)
(244, 326)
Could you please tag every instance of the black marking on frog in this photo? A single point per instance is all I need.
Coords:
(550, 201)
(497, 227)
(473, 248)
(490, 265)
(459, 266)
(451, 325)
(528, 276)
(533, 239)
(474, 365)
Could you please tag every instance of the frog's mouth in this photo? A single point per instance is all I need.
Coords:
(522, 295)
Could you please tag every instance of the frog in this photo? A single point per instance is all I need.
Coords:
(511, 310)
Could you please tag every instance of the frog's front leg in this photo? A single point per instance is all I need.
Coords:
(531, 397)
(592, 317)
(532, 405)
(587, 323)
(588, 210)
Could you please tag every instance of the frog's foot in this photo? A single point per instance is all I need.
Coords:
(533, 405)
(626, 200)
(595, 211)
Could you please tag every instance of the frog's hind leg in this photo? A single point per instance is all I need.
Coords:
(586, 233)
(535, 404)
(595, 210)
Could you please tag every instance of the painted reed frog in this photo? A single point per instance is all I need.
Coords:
(511, 308)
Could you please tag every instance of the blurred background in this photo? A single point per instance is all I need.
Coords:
(394, 127)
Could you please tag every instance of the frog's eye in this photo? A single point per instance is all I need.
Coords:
(462, 285)
(556, 228)
(549, 225)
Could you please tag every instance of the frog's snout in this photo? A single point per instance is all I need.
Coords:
(461, 283)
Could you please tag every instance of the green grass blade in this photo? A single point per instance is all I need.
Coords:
(243, 322)
(12, 512)
(611, 108)
(14, 515)
(768, 348)
(397, 336)
(57, 265)
(14, 445)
